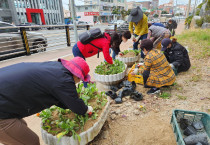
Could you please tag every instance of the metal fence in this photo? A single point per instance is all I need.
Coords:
(18, 41)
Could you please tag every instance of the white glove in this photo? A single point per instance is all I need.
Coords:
(172, 66)
(137, 38)
(132, 37)
(90, 109)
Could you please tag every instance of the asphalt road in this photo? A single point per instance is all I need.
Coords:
(57, 38)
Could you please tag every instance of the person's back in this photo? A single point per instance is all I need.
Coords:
(27, 88)
(161, 74)
(158, 24)
(157, 31)
(178, 56)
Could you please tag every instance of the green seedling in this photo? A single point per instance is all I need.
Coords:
(165, 95)
(108, 69)
(62, 122)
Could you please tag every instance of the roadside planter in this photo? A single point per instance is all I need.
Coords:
(129, 57)
(63, 127)
(110, 74)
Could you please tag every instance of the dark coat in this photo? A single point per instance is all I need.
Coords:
(28, 88)
(178, 56)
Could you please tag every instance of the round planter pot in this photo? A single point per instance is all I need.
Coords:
(110, 79)
(86, 136)
(128, 60)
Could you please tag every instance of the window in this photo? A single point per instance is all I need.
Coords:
(4, 4)
(86, 8)
(78, 8)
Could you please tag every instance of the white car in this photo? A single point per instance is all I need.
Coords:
(119, 22)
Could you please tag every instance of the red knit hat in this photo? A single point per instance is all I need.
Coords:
(78, 67)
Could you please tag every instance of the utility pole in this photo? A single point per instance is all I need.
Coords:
(194, 8)
(74, 19)
(188, 9)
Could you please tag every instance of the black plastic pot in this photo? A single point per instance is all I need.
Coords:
(111, 94)
(114, 88)
(189, 131)
(184, 123)
(194, 139)
(136, 96)
(198, 125)
(118, 100)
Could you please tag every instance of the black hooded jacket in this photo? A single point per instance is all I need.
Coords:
(178, 56)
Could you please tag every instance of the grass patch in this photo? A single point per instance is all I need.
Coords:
(198, 41)
(177, 86)
(196, 78)
(181, 97)
(194, 67)
(165, 95)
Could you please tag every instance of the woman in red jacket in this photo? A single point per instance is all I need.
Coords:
(88, 50)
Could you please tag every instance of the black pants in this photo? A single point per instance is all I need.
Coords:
(145, 77)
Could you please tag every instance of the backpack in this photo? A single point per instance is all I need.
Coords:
(88, 36)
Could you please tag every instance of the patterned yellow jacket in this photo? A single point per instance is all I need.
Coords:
(161, 73)
(141, 28)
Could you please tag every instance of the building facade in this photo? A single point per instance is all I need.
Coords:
(40, 12)
(103, 7)
(133, 4)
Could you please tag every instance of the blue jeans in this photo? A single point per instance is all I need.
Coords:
(135, 44)
(113, 53)
(77, 53)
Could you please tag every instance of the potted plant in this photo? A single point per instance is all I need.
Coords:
(129, 57)
(63, 127)
(109, 74)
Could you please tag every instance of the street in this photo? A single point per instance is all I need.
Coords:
(56, 39)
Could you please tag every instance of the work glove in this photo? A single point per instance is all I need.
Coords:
(132, 37)
(172, 66)
(89, 111)
(137, 38)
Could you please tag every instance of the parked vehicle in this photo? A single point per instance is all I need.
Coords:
(30, 24)
(80, 25)
(120, 28)
(56, 27)
(11, 43)
(119, 22)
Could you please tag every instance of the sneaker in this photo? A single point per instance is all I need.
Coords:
(153, 91)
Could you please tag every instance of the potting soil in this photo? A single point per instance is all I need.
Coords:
(129, 54)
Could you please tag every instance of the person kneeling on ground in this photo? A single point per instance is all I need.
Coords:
(157, 34)
(123, 38)
(176, 55)
(157, 71)
(28, 88)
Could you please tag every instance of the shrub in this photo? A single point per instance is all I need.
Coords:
(199, 22)
(207, 19)
(208, 5)
(197, 13)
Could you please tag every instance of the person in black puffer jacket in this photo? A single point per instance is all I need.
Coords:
(176, 55)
